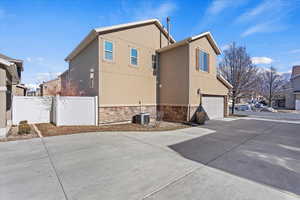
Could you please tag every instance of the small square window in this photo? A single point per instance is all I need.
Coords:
(134, 56)
(108, 50)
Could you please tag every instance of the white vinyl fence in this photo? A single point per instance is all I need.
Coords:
(297, 104)
(32, 109)
(75, 111)
(62, 111)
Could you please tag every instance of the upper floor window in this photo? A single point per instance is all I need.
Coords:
(202, 60)
(134, 56)
(108, 50)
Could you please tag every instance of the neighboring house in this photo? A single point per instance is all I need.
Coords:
(36, 92)
(65, 89)
(51, 88)
(138, 67)
(295, 83)
(10, 75)
(19, 90)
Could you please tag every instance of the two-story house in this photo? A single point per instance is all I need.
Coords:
(10, 76)
(295, 84)
(139, 67)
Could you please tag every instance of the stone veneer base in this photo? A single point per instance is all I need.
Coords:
(175, 113)
(114, 114)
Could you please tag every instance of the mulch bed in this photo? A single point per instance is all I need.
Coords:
(237, 115)
(13, 135)
(48, 129)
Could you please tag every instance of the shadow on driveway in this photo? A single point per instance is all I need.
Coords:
(264, 152)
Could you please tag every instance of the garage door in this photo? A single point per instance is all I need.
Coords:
(213, 106)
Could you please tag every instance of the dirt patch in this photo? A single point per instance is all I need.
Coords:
(288, 111)
(237, 115)
(13, 135)
(51, 130)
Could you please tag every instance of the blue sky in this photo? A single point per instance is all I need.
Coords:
(42, 32)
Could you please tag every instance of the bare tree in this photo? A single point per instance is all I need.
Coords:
(237, 68)
(272, 84)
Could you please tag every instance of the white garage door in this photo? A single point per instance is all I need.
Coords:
(213, 106)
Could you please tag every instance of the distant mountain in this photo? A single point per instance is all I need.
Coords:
(286, 76)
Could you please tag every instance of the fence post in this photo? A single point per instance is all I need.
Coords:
(57, 110)
(96, 110)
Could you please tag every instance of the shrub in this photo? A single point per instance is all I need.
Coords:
(200, 117)
(23, 122)
(24, 129)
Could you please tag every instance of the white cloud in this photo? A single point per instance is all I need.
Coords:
(266, 8)
(263, 28)
(261, 60)
(214, 10)
(141, 11)
(37, 60)
(225, 47)
(148, 10)
(45, 76)
(294, 51)
(217, 6)
(268, 16)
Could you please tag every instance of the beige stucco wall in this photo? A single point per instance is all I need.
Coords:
(121, 83)
(174, 76)
(80, 67)
(2, 98)
(207, 82)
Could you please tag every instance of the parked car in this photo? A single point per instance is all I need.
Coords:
(245, 107)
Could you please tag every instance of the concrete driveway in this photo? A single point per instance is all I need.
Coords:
(241, 159)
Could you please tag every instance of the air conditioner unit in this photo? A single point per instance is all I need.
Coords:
(142, 118)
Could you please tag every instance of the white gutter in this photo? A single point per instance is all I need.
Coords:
(5, 62)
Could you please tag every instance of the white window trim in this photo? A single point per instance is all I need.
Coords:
(113, 51)
(137, 58)
(200, 49)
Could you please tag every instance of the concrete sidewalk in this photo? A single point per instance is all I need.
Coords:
(128, 165)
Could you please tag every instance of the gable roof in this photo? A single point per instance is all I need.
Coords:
(11, 68)
(18, 62)
(98, 31)
(208, 35)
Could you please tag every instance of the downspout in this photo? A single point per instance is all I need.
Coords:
(189, 82)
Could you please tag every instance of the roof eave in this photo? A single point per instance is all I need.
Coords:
(89, 38)
(224, 81)
(174, 45)
(98, 31)
(211, 40)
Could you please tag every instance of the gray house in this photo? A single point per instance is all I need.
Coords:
(10, 75)
(292, 92)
